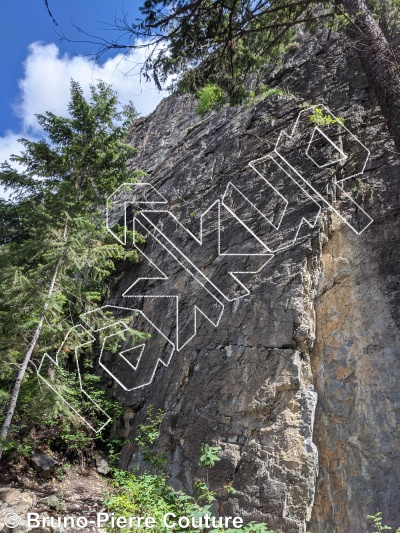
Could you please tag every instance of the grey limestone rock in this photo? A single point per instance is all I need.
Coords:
(298, 383)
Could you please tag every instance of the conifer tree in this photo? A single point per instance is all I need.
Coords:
(55, 254)
(224, 42)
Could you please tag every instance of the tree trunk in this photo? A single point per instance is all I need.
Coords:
(28, 355)
(378, 60)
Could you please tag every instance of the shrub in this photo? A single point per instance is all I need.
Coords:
(210, 98)
(150, 493)
(269, 91)
(320, 119)
(378, 526)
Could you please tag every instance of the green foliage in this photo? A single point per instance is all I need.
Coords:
(146, 437)
(139, 495)
(254, 527)
(377, 520)
(227, 43)
(42, 421)
(150, 494)
(20, 448)
(210, 98)
(320, 119)
(217, 42)
(53, 226)
(61, 471)
(229, 488)
(262, 92)
(209, 455)
(387, 13)
(269, 91)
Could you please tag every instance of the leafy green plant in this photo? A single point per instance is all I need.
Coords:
(209, 455)
(147, 434)
(320, 119)
(261, 92)
(269, 91)
(204, 494)
(229, 489)
(61, 471)
(210, 98)
(114, 446)
(150, 493)
(22, 449)
(141, 495)
(379, 527)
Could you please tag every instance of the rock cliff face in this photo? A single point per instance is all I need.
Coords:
(316, 337)
(356, 369)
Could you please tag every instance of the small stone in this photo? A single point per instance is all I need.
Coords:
(102, 466)
(43, 464)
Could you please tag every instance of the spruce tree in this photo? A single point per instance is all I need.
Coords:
(55, 254)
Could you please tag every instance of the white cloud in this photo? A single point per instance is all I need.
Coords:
(9, 145)
(45, 86)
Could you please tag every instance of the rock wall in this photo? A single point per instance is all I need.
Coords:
(318, 331)
(356, 369)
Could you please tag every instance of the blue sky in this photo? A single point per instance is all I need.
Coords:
(36, 65)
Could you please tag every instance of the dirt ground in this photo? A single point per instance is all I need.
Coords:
(73, 491)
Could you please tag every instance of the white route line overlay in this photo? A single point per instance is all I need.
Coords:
(200, 241)
(310, 225)
(178, 346)
(297, 173)
(86, 332)
(130, 188)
